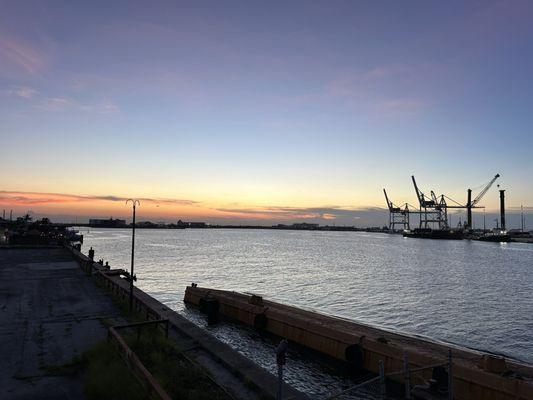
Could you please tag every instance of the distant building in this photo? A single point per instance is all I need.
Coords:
(182, 224)
(146, 224)
(305, 225)
(107, 223)
(197, 225)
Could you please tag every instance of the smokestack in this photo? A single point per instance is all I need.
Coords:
(502, 209)
(469, 210)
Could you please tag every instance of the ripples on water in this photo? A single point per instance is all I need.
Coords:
(474, 294)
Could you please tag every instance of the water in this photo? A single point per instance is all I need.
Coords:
(474, 294)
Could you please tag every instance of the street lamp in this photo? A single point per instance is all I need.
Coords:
(135, 203)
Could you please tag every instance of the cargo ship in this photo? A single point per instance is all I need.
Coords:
(495, 236)
(428, 233)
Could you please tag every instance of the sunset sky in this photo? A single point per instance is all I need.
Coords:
(231, 111)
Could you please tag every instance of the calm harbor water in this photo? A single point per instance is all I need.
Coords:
(473, 294)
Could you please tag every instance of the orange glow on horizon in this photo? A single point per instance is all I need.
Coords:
(150, 208)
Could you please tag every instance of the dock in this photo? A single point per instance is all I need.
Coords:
(50, 312)
(238, 375)
(53, 303)
(475, 375)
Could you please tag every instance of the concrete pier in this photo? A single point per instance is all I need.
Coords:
(51, 310)
(238, 375)
(475, 375)
(49, 313)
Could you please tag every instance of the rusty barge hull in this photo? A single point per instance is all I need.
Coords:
(476, 375)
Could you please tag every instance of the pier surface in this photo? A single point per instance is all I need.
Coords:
(49, 312)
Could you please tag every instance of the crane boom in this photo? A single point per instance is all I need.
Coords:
(389, 203)
(419, 194)
(485, 190)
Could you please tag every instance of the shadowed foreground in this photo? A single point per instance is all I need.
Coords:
(49, 313)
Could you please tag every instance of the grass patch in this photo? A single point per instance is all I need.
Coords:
(103, 372)
(107, 376)
(180, 378)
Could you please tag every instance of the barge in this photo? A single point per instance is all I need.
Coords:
(475, 375)
(427, 233)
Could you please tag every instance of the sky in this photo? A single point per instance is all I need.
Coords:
(262, 112)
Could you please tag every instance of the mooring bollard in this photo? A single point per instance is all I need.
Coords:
(281, 359)
(382, 387)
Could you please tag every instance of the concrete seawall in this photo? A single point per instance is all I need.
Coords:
(475, 375)
(233, 368)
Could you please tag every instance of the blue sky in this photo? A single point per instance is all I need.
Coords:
(260, 106)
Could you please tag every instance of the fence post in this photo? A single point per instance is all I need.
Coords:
(450, 375)
(382, 387)
(407, 377)
(281, 358)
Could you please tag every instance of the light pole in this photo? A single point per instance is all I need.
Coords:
(135, 203)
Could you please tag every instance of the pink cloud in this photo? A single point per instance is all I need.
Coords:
(33, 198)
(379, 91)
(16, 55)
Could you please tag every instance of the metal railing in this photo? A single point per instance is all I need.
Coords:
(134, 363)
(407, 374)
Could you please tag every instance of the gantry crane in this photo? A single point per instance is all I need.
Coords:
(438, 208)
(433, 209)
(397, 215)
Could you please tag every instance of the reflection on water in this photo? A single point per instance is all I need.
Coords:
(470, 293)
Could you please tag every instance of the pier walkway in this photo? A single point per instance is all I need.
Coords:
(49, 313)
(51, 310)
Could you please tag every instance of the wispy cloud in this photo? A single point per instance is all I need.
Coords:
(291, 213)
(63, 103)
(105, 107)
(38, 198)
(45, 103)
(385, 91)
(399, 107)
(16, 54)
(24, 92)
(359, 82)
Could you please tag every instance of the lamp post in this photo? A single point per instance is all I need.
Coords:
(135, 203)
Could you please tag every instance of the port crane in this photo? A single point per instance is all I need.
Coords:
(472, 203)
(397, 215)
(433, 208)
